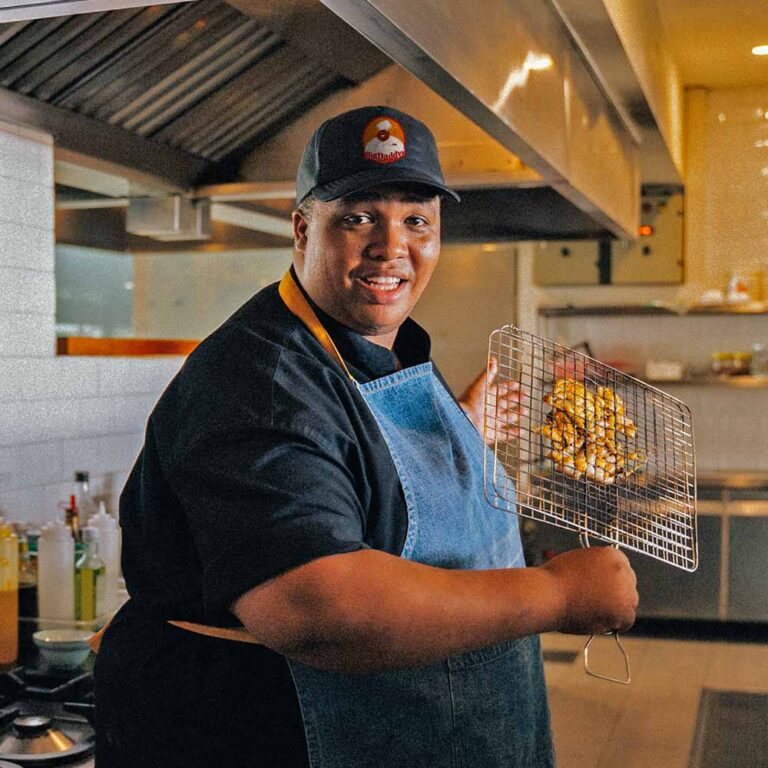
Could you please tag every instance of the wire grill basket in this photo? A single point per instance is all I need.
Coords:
(625, 473)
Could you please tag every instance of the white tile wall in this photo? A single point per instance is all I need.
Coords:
(57, 415)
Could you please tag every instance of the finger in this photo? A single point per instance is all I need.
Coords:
(511, 389)
(511, 410)
(493, 370)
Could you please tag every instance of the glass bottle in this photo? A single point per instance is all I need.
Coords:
(759, 360)
(72, 517)
(89, 578)
(27, 594)
(85, 504)
(9, 596)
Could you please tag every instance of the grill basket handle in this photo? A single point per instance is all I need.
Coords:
(627, 679)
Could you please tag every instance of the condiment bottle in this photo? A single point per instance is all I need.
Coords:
(72, 517)
(56, 574)
(722, 363)
(109, 551)
(759, 360)
(742, 364)
(86, 506)
(89, 578)
(27, 593)
(9, 595)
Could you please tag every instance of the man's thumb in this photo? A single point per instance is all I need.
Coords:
(493, 369)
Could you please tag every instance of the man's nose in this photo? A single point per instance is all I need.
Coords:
(389, 242)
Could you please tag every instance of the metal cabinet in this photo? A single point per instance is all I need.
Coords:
(666, 591)
(748, 558)
(731, 582)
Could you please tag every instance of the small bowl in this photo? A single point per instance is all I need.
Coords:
(63, 648)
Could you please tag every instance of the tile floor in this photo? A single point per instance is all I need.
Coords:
(649, 723)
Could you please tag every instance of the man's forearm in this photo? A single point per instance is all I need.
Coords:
(368, 610)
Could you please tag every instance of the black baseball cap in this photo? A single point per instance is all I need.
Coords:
(366, 148)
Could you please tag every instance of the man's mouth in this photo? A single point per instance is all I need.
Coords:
(383, 282)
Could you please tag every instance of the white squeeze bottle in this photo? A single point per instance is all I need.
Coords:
(56, 573)
(109, 552)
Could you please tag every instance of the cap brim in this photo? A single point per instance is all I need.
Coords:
(379, 177)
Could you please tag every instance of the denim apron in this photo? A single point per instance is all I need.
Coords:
(483, 709)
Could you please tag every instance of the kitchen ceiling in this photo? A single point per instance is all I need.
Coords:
(712, 40)
(200, 77)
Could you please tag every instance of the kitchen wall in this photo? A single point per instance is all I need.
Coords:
(472, 292)
(187, 295)
(726, 228)
(57, 414)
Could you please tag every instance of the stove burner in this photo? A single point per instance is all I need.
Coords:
(31, 725)
(46, 719)
(50, 744)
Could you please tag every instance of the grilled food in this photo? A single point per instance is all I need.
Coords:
(589, 432)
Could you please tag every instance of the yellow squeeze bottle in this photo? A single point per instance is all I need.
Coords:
(9, 596)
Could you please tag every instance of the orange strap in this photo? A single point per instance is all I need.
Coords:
(237, 634)
(295, 300)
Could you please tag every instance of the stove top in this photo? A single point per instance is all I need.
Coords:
(46, 718)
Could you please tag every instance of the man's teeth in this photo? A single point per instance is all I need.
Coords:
(384, 283)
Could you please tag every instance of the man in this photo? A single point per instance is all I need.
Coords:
(316, 578)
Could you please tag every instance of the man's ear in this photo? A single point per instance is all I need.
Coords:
(300, 226)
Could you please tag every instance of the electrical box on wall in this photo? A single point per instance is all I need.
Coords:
(654, 257)
(169, 218)
(565, 262)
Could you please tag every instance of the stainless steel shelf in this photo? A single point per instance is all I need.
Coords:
(739, 382)
(754, 308)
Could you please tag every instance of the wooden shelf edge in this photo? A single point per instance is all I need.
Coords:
(90, 347)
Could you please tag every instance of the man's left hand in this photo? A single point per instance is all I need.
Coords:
(505, 404)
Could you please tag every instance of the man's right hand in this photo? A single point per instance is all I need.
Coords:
(598, 588)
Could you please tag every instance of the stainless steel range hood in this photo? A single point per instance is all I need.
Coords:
(514, 70)
(533, 134)
(526, 127)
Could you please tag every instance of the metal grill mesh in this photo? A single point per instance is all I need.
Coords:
(652, 511)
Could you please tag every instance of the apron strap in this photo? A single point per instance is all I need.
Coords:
(297, 303)
(236, 634)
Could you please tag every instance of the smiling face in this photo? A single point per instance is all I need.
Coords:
(366, 259)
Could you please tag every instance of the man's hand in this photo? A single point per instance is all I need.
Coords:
(505, 405)
(598, 588)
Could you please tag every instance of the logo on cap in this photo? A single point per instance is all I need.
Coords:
(383, 140)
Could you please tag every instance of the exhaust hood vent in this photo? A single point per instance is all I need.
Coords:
(170, 218)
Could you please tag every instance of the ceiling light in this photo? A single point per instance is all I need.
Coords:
(760, 50)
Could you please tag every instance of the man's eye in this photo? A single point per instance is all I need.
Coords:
(354, 219)
(418, 221)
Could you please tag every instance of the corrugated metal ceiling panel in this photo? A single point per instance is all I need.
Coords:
(200, 76)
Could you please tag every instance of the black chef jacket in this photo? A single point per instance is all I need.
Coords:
(259, 457)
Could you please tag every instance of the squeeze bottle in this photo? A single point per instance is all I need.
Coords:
(56, 574)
